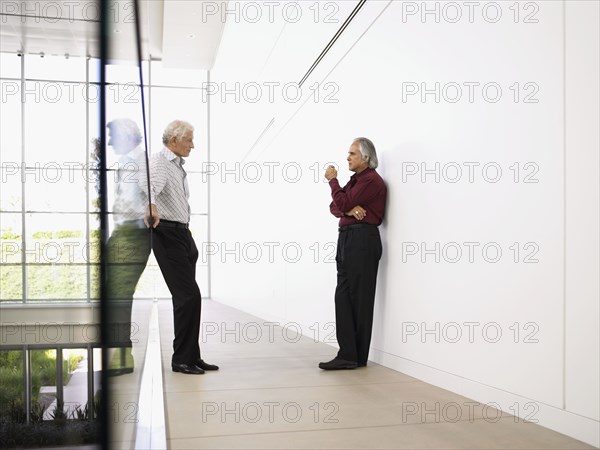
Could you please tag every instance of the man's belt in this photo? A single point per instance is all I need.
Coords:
(356, 225)
(172, 224)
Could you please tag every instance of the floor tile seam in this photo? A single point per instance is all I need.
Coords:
(308, 355)
(293, 387)
(310, 430)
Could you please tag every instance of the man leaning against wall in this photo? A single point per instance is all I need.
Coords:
(360, 206)
(174, 246)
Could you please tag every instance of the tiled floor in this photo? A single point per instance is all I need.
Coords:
(269, 393)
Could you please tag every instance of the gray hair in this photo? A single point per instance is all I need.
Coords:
(127, 128)
(176, 129)
(367, 150)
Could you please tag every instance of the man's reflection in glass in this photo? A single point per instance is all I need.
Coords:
(128, 248)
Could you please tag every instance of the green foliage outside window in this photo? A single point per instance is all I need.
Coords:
(54, 279)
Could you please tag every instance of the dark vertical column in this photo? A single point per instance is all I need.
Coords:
(104, 423)
(138, 38)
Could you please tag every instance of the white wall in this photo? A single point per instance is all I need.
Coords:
(544, 365)
(582, 164)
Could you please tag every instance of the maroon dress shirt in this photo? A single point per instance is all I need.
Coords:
(365, 189)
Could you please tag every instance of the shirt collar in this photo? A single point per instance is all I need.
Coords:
(171, 156)
(356, 175)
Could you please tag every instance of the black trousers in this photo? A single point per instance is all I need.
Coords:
(358, 254)
(127, 250)
(176, 254)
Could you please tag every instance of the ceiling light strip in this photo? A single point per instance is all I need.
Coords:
(332, 41)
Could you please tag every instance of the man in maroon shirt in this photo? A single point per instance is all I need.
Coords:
(360, 205)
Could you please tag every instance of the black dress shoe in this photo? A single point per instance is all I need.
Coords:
(338, 364)
(187, 368)
(206, 366)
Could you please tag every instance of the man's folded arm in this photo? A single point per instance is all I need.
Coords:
(335, 211)
(362, 193)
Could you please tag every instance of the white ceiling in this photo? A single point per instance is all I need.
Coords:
(172, 30)
(191, 36)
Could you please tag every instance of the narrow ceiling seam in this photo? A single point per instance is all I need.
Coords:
(332, 41)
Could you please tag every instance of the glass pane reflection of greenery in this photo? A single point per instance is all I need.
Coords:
(12, 396)
(43, 374)
(11, 283)
(11, 277)
(56, 268)
(60, 282)
(55, 425)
